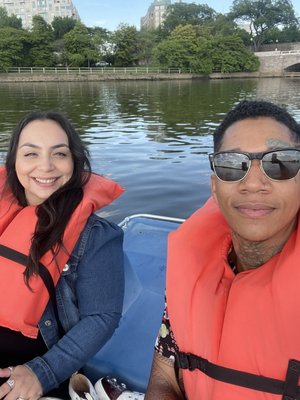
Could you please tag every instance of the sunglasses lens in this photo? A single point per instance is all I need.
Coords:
(231, 167)
(281, 164)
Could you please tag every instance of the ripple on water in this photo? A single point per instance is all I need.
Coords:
(152, 137)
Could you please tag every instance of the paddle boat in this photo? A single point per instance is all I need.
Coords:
(127, 356)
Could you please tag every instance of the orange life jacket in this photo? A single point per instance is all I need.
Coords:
(22, 308)
(248, 322)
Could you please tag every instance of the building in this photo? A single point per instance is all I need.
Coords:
(156, 14)
(48, 9)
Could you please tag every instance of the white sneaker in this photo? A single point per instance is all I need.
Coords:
(110, 389)
(80, 388)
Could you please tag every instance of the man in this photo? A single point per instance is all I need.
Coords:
(232, 326)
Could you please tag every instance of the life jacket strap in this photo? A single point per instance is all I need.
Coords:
(45, 275)
(289, 388)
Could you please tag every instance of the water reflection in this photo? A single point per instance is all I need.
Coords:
(153, 137)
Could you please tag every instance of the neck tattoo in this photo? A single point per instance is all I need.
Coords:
(247, 255)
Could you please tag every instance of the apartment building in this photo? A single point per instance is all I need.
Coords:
(155, 15)
(48, 9)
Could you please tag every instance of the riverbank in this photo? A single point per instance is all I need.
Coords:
(91, 77)
(95, 77)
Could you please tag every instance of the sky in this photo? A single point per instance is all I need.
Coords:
(109, 14)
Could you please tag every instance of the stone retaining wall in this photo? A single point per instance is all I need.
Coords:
(88, 77)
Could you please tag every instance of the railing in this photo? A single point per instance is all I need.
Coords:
(126, 220)
(278, 53)
(96, 70)
(290, 52)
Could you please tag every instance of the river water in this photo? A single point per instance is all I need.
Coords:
(151, 137)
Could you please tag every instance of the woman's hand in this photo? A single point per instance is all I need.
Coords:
(22, 384)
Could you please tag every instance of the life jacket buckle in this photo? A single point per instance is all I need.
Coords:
(190, 361)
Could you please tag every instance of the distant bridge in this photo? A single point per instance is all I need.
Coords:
(279, 63)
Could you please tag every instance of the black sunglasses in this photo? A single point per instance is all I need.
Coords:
(233, 166)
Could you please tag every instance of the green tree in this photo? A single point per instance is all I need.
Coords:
(126, 46)
(9, 21)
(185, 48)
(41, 35)
(80, 49)
(177, 50)
(147, 40)
(228, 54)
(289, 34)
(39, 25)
(61, 26)
(100, 39)
(187, 14)
(224, 26)
(285, 35)
(59, 52)
(14, 44)
(263, 15)
(225, 54)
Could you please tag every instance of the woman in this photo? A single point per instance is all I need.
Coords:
(61, 272)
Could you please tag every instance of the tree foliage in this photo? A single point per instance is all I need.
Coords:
(14, 45)
(41, 37)
(185, 48)
(9, 21)
(263, 15)
(193, 36)
(288, 34)
(228, 54)
(61, 26)
(147, 40)
(126, 46)
(100, 41)
(187, 14)
(285, 35)
(222, 25)
(179, 49)
(80, 49)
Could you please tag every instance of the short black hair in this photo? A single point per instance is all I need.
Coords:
(255, 109)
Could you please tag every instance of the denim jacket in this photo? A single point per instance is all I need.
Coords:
(89, 298)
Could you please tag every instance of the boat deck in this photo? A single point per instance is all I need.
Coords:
(128, 354)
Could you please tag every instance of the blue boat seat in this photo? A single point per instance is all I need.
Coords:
(127, 356)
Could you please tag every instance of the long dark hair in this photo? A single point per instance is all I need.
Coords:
(54, 213)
